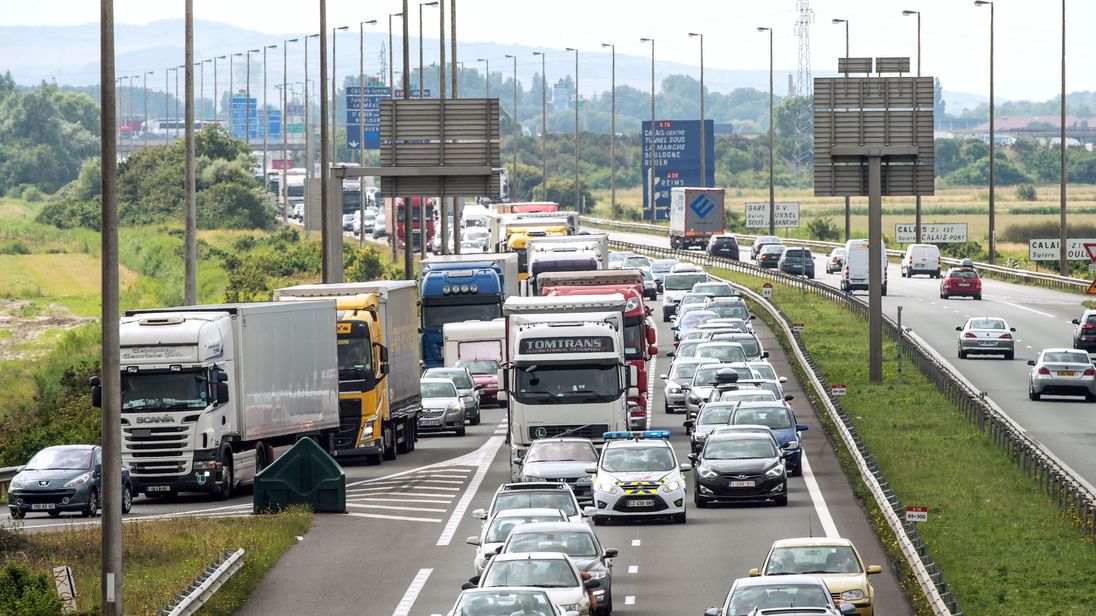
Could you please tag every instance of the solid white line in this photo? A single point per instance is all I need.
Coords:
(484, 455)
(635, 543)
(408, 600)
(405, 487)
(633, 568)
(393, 517)
(428, 510)
(409, 494)
(819, 500)
(403, 500)
(630, 600)
(459, 482)
(420, 470)
(1022, 307)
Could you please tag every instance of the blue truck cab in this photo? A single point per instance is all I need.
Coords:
(453, 293)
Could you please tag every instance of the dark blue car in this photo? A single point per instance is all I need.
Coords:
(63, 478)
(777, 416)
(797, 261)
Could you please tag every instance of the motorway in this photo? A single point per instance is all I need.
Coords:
(1064, 425)
(401, 548)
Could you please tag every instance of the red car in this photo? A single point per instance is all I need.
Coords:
(485, 372)
(961, 282)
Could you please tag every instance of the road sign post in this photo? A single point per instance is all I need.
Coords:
(767, 290)
(757, 215)
(837, 389)
(677, 159)
(917, 514)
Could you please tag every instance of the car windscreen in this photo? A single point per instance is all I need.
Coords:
(661, 267)
(731, 312)
(683, 282)
(637, 459)
(561, 451)
(535, 499)
(712, 414)
(1066, 357)
(575, 544)
(438, 390)
(739, 449)
(500, 527)
(986, 324)
(774, 417)
(746, 600)
(962, 274)
(726, 353)
(684, 370)
(812, 560)
(460, 378)
(60, 458)
(480, 366)
(706, 376)
(542, 573)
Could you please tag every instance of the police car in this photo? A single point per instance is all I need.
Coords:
(638, 475)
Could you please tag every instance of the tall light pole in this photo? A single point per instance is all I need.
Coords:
(216, 101)
(992, 144)
(309, 154)
(231, 86)
(453, 48)
(917, 206)
(201, 88)
(110, 580)
(612, 133)
(247, 101)
(487, 72)
(285, 128)
(190, 232)
(335, 103)
(651, 151)
(331, 236)
(361, 113)
(441, 84)
(422, 75)
(266, 113)
(1063, 262)
(405, 80)
(167, 107)
(578, 203)
(144, 99)
(181, 66)
(848, 204)
(392, 94)
(703, 132)
(517, 131)
(772, 145)
(543, 129)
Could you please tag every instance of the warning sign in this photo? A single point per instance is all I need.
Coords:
(767, 290)
(917, 514)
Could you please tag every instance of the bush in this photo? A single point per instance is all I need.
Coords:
(1021, 233)
(23, 593)
(13, 247)
(630, 214)
(31, 194)
(1026, 192)
(823, 229)
(967, 250)
(72, 212)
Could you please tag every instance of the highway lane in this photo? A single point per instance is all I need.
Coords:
(1064, 425)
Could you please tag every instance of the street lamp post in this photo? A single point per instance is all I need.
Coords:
(651, 151)
(441, 83)
(487, 72)
(703, 132)
(543, 129)
(144, 99)
(578, 204)
(612, 132)
(201, 88)
(1063, 262)
(392, 94)
(422, 75)
(231, 85)
(992, 144)
(334, 102)
(285, 128)
(247, 100)
(848, 205)
(772, 145)
(309, 155)
(266, 112)
(517, 131)
(917, 206)
(361, 112)
(216, 101)
(181, 66)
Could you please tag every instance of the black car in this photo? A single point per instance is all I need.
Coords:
(63, 478)
(723, 246)
(739, 467)
(1084, 335)
(797, 261)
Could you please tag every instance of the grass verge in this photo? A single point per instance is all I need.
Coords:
(1002, 545)
(163, 557)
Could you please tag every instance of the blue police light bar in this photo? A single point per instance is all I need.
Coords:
(636, 434)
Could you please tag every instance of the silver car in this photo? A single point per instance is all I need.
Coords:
(563, 460)
(1064, 372)
(704, 382)
(441, 407)
(467, 389)
(675, 286)
(986, 335)
(679, 379)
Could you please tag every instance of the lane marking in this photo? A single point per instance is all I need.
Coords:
(635, 543)
(393, 517)
(410, 494)
(408, 487)
(630, 600)
(819, 500)
(482, 460)
(999, 301)
(362, 506)
(409, 597)
(405, 500)
(633, 568)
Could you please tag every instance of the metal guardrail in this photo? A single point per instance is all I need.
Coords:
(1008, 273)
(207, 584)
(6, 475)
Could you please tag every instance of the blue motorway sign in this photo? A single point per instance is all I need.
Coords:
(365, 112)
(245, 111)
(677, 160)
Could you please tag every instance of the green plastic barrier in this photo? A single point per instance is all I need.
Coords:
(304, 475)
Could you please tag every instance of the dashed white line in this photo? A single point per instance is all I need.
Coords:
(409, 597)
(405, 487)
(372, 499)
(393, 517)
(818, 499)
(636, 543)
(409, 494)
(426, 509)
(482, 460)
(633, 568)
(1022, 307)
(630, 600)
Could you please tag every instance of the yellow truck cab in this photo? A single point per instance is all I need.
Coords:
(517, 237)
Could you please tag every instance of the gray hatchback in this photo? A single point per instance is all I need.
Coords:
(63, 478)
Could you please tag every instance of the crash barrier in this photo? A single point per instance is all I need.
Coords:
(999, 271)
(304, 475)
(206, 585)
(7, 473)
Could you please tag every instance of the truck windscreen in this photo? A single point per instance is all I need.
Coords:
(434, 316)
(567, 383)
(355, 356)
(164, 391)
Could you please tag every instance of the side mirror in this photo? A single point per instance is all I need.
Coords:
(222, 393)
(96, 393)
(801, 427)
(610, 553)
(1012, 329)
(958, 329)
(501, 396)
(479, 514)
(663, 376)
(694, 457)
(783, 379)
(712, 611)
(755, 572)
(673, 327)
(873, 569)
(590, 470)
(652, 350)
(473, 540)
(686, 387)
(847, 608)
(752, 317)
(518, 461)
(789, 398)
(765, 355)
(685, 467)
(633, 376)
(479, 388)
(591, 584)
(671, 354)
(688, 424)
(467, 586)
(1031, 362)
(589, 512)
(1076, 321)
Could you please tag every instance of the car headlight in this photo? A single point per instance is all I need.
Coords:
(775, 471)
(700, 436)
(606, 486)
(17, 484)
(571, 607)
(454, 407)
(791, 445)
(674, 389)
(673, 486)
(706, 472)
(852, 595)
(79, 481)
(694, 399)
(598, 575)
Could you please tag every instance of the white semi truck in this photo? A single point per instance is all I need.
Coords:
(565, 372)
(212, 394)
(568, 253)
(474, 340)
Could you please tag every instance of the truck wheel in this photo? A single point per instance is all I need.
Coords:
(224, 490)
(260, 457)
(413, 430)
(389, 442)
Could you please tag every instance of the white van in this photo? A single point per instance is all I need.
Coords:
(921, 259)
(854, 274)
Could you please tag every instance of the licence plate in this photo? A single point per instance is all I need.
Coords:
(158, 489)
(963, 284)
(642, 502)
(1067, 373)
(43, 506)
(741, 484)
(429, 422)
(987, 343)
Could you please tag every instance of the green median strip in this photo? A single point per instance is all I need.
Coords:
(1003, 546)
(163, 557)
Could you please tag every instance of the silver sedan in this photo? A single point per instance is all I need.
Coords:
(986, 335)
(1067, 372)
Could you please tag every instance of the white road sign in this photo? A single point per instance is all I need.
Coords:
(942, 233)
(1047, 250)
(787, 215)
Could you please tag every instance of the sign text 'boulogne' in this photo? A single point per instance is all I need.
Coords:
(941, 233)
(585, 344)
(787, 215)
(1047, 250)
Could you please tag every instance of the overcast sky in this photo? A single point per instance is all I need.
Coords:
(955, 32)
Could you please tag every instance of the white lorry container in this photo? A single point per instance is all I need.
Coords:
(567, 253)
(566, 373)
(696, 214)
(854, 273)
(474, 340)
(211, 394)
